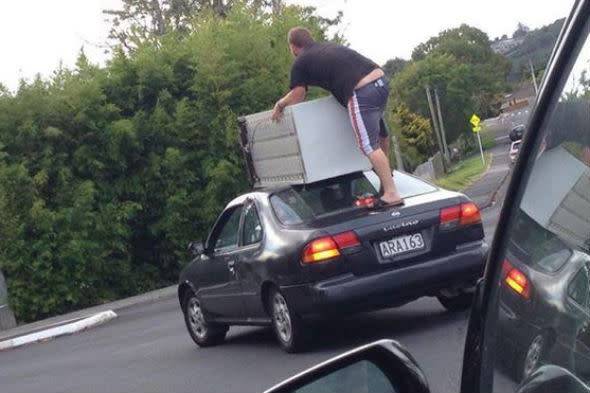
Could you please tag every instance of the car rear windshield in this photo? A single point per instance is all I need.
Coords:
(537, 247)
(407, 186)
(304, 203)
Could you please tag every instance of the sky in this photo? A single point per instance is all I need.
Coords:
(39, 35)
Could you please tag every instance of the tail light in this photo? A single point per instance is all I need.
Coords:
(516, 280)
(367, 201)
(346, 240)
(463, 215)
(469, 214)
(329, 247)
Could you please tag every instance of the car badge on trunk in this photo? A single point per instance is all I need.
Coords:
(395, 214)
(404, 224)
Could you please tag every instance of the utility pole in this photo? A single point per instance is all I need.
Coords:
(398, 154)
(442, 126)
(534, 77)
(435, 123)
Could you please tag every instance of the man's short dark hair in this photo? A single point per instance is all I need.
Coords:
(300, 37)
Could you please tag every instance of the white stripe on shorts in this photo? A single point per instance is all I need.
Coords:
(359, 126)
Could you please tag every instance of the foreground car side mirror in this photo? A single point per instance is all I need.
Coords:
(549, 379)
(196, 248)
(384, 366)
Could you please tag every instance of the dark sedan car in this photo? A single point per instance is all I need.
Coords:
(516, 133)
(295, 254)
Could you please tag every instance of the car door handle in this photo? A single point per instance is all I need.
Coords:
(231, 266)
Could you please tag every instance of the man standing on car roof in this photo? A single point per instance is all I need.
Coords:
(358, 84)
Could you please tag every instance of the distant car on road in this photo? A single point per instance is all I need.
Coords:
(516, 133)
(514, 148)
(291, 255)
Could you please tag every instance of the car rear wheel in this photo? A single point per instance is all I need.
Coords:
(534, 355)
(203, 333)
(456, 300)
(289, 329)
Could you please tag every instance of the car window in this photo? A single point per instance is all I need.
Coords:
(252, 226)
(408, 186)
(578, 288)
(546, 248)
(228, 234)
(304, 203)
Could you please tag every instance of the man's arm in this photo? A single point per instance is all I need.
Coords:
(295, 96)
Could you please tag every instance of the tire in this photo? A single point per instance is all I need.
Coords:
(459, 302)
(289, 328)
(203, 333)
(533, 356)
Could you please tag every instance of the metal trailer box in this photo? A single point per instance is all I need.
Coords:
(313, 141)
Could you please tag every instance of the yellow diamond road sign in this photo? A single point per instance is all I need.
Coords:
(475, 120)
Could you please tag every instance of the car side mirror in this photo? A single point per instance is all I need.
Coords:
(196, 248)
(549, 378)
(383, 366)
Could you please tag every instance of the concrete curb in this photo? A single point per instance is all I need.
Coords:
(57, 331)
(494, 194)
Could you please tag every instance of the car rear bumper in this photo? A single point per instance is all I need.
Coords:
(350, 293)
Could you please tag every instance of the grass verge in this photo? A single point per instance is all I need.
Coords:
(465, 173)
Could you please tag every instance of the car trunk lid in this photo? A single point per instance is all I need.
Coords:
(398, 236)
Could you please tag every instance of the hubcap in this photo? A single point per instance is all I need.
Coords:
(533, 355)
(281, 317)
(196, 319)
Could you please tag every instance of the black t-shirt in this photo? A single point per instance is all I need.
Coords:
(333, 67)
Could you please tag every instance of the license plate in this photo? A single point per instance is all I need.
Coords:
(402, 244)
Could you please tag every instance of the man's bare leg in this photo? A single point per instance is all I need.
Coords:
(381, 167)
(384, 145)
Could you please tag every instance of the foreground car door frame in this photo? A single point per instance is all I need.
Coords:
(477, 375)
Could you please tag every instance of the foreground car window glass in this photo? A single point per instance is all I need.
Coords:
(362, 377)
(228, 236)
(304, 203)
(543, 293)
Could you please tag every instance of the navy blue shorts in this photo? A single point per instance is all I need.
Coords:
(365, 108)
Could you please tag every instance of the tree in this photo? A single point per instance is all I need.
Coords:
(465, 43)
(106, 173)
(416, 135)
(394, 66)
(521, 30)
(148, 20)
(469, 77)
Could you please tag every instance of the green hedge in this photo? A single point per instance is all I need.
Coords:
(107, 173)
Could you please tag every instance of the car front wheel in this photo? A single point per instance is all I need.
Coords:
(203, 333)
(289, 329)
